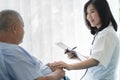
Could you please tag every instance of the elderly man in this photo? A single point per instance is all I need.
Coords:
(15, 62)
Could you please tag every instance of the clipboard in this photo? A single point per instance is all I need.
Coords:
(64, 46)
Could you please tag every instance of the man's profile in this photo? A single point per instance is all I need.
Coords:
(15, 62)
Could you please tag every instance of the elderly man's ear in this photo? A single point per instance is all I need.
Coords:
(13, 28)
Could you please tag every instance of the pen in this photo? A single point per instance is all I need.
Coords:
(74, 48)
(67, 50)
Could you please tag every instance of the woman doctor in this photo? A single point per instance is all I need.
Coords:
(102, 62)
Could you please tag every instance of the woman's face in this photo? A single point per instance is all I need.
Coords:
(93, 16)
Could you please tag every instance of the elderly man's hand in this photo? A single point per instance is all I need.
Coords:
(53, 68)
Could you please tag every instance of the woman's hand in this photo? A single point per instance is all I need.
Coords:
(71, 54)
(53, 68)
(60, 64)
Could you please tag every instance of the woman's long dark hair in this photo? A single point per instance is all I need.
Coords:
(104, 12)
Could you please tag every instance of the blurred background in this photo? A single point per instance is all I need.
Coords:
(50, 21)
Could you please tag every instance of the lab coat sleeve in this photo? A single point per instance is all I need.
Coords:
(103, 49)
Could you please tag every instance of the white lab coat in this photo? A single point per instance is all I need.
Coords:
(105, 49)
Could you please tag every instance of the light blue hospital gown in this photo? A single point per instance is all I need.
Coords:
(105, 49)
(17, 64)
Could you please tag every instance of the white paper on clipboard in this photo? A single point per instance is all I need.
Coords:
(64, 46)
